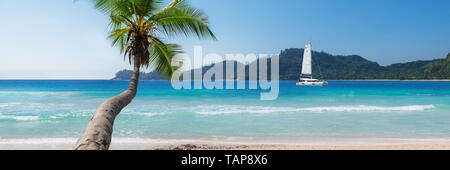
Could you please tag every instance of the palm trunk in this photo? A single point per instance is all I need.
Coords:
(98, 132)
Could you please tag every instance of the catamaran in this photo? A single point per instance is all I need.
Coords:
(306, 78)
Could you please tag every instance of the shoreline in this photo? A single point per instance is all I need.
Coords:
(215, 144)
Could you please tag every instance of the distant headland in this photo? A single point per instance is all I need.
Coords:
(340, 67)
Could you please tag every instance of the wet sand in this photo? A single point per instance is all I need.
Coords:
(186, 144)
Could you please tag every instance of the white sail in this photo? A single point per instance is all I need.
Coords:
(306, 66)
(306, 77)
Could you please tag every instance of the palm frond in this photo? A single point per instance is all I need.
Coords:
(181, 19)
(146, 7)
(119, 22)
(135, 26)
(172, 4)
(127, 8)
(114, 7)
(120, 38)
(161, 57)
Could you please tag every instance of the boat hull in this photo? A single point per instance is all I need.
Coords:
(312, 83)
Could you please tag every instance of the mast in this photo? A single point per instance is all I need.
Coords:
(306, 66)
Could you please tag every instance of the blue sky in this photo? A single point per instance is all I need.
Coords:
(59, 39)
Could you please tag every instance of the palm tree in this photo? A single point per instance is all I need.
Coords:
(137, 28)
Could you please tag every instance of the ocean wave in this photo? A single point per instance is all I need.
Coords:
(25, 115)
(9, 104)
(68, 140)
(148, 114)
(19, 118)
(38, 93)
(71, 115)
(35, 105)
(117, 140)
(39, 141)
(234, 109)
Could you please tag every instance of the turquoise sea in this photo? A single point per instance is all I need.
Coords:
(62, 108)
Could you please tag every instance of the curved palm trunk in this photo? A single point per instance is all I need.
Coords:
(98, 132)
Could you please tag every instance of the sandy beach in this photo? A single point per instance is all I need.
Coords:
(182, 144)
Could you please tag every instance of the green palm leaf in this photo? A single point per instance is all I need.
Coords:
(162, 56)
(136, 24)
(181, 19)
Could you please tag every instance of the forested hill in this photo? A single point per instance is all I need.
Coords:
(326, 66)
(339, 67)
(331, 67)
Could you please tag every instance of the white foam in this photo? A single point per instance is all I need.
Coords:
(9, 104)
(34, 105)
(38, 93)
(66, 115)
(234, 109)
(20, 118)
(148, 114)
(211, 141)
(117, 140)
(38, 140)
